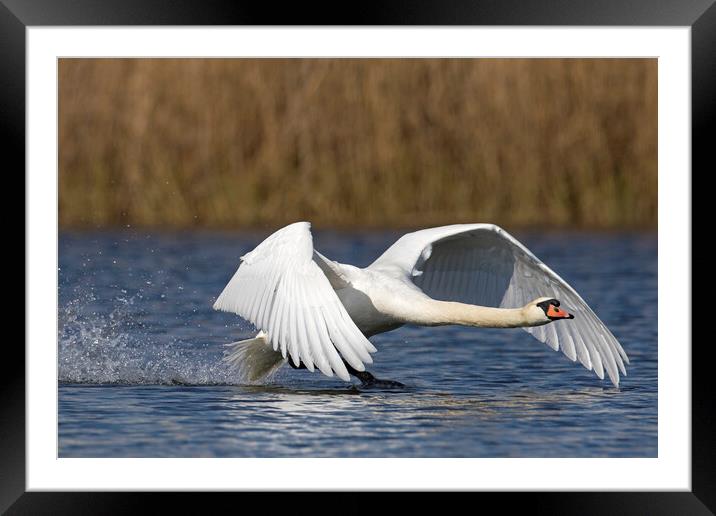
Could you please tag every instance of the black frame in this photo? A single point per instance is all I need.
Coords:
(700, 15)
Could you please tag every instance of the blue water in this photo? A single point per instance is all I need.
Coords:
(140, 371)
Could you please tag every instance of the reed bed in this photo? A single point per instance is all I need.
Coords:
(228, 143)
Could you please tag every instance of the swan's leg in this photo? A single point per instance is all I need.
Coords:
(366, 379)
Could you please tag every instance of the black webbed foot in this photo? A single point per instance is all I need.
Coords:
(367, 380)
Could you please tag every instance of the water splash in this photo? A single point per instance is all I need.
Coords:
(114, 347)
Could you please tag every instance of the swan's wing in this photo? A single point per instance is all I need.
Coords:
(284, 292)
(482, 264)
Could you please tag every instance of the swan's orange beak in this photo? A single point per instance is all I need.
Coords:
(557, 313)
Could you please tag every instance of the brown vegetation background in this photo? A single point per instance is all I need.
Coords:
(358, 142)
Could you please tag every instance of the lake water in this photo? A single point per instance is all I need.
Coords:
(140, 370)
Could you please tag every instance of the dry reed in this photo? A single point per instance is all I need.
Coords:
(358, 142)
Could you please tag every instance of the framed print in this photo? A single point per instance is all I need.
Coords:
(169, 155)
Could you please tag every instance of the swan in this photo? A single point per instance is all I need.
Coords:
(315, 313)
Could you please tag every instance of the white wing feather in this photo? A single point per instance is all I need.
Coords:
(284, 292)
(482, 264)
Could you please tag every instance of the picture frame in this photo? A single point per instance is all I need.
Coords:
(17, 15)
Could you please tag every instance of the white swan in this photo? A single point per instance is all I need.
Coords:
(319, 312)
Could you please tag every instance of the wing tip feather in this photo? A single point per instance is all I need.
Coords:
(343, 374)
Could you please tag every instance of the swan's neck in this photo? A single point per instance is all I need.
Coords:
(448, 312)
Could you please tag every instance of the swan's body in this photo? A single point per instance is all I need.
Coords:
(320, 312)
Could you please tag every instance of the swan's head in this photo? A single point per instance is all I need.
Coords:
(545, 310)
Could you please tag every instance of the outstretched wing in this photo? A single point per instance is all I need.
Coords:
(283, 291)
(482, 264)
